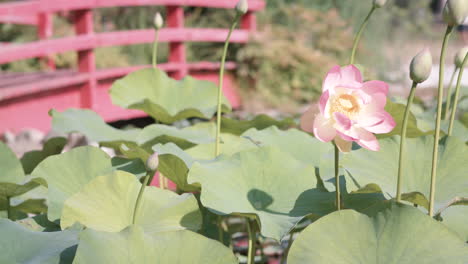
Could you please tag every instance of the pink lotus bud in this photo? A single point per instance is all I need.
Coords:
(421, 66)
(350, 110)
(455, 12)
(379, 3)
(460, 57)
(158, 21)
(242, 7)
(153, 162)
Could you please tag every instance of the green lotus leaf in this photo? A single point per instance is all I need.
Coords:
(39, 223)
(132, 245)
(174, 163)
(51, 147)
(95, 128)
(381, 167)
(237, 127)
(32, 206)
(66, 173)
(21, 245)
(401, 234)
(166, 99)
(300, 145)
(13, 181)
(11, 170)
(454, 217)
(107, 203)
(264, 183)
(397, 111)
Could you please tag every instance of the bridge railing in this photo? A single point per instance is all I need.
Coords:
(85, 40)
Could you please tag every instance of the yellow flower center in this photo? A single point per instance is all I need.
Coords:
(346, 104)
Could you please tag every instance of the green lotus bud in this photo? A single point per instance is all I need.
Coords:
(242, 7)
(460, 57)
(379, 3)
(158, 21)
(153, 162)
(421, 66)
(455, 12)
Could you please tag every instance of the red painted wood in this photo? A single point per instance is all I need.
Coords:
(86, 58)
(177, 53)
(33, 7)
(249, 22)
(16, 52)
(45, 31)
(32, 95)
(19, 19)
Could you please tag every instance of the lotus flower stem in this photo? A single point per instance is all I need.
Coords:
(457, 94)
(252, 241)
(140, 194)
(403, 139)
(358, 36)
(220, 86)
(337, 177)
(440, 96)
(449, 94)
(155, 48)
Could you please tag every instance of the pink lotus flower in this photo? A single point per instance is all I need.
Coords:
(350, 110)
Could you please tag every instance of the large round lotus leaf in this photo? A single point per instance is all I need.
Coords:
(68, 172)
(107, 203)
(132, 245)
(11, 170)
(89, 124)
(264, 182)
(381, 167)
(237, 127)
(401, 234)
(175, 163)
(300, 145)
(455, 217)
(397, 111)
(31, 159)
(94, 128)
(21, 245)
(12, 179)
(166, 99)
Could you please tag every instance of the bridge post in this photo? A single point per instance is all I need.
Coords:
(86, 58)
(249, 22)
(177, 52)
(45, 31)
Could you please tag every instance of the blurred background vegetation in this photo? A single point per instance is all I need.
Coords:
(283, 66)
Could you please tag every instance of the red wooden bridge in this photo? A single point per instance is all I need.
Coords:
(25, 98)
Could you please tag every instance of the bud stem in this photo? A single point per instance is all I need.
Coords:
(155, 48)
(8, 209)
(457, 94)
(252, 241)
(220, 86)
(403, 139)
(435, 150)
(449, 94)
(140, 194)
(358, 36)
(337, 177)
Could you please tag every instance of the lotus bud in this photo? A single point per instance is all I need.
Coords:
(421, 66)
(460, 57)
(242, 7)
(455, 12)
(153, 162)
(379, 3)
(158, 21)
